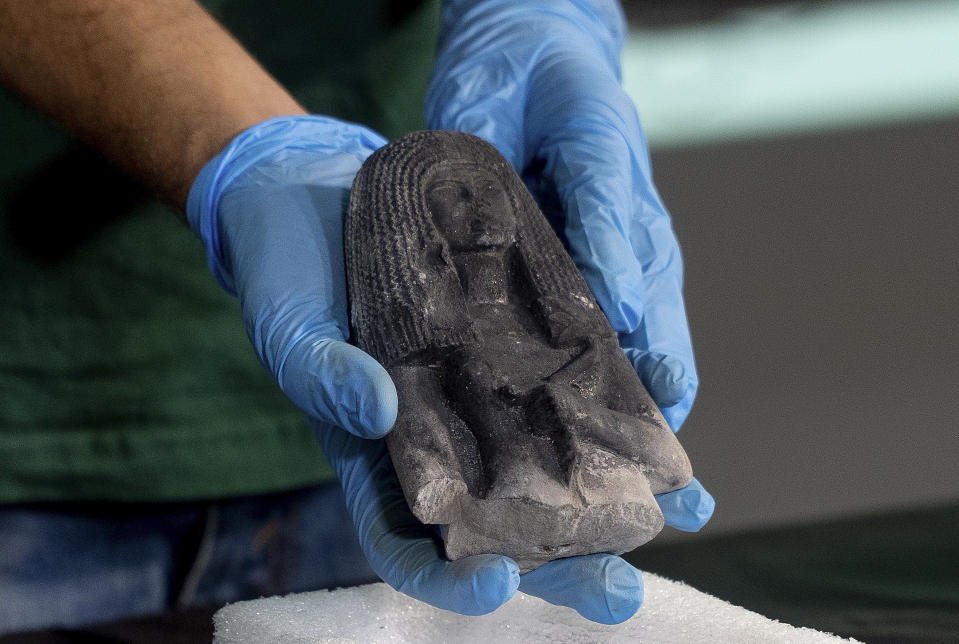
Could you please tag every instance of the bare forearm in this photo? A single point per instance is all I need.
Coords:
(159, 87)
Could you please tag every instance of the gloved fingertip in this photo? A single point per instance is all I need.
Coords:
(687, 509)
(377, 409)
(663, 376)
(601, 587)
(484, 583)
(362, 395)
(623, 592)
(495, 582)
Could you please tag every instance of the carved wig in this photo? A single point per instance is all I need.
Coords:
(405, 259)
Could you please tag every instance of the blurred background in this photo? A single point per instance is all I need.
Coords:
(808, 154)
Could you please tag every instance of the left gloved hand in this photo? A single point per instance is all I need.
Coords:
(540, 80)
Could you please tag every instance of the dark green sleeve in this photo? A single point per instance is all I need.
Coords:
(125, 372)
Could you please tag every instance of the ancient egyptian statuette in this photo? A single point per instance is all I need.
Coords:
(522, 427)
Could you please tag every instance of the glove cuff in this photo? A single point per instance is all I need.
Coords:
(318, 135)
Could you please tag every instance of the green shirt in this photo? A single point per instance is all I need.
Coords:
(125, 372)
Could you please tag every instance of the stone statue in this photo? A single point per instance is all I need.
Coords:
(522, 427)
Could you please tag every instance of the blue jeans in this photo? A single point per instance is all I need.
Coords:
(68, 565)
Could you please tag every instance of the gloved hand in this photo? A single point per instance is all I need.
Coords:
(269, 210)
(540, 80)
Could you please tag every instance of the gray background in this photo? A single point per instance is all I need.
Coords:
(821, 283)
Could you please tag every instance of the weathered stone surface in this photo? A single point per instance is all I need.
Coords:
(522, 426)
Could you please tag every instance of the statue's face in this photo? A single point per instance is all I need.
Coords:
(471, 209)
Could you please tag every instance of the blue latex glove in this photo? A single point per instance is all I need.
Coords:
(540, 80)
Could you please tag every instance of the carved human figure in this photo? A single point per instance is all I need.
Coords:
(522, 427)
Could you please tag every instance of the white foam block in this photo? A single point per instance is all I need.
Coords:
(671, 612)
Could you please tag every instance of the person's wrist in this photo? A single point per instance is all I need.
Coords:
(203, 144)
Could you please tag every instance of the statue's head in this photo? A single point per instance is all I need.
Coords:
(471, 208)
(417, 204)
